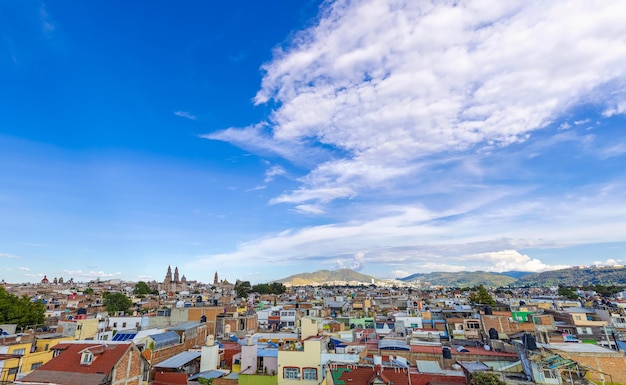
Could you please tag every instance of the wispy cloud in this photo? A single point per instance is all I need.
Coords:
(48, 25)
(24, 269)
(272, 172)
(440, 135)
(385, 85)
(185, 114)
(80, 275)
(7, 255)
(31, 244)
(473, 236)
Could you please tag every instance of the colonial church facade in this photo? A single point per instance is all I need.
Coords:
(173, 283)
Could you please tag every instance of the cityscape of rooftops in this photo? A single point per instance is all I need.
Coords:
(323, 192)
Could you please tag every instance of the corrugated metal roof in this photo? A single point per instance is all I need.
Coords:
(208, 375)
(428, 366)
(163, 339)
(181, 359)
(393, 344)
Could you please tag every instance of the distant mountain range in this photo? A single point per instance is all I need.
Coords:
(460, 279)
(321, 277)
(575, 276)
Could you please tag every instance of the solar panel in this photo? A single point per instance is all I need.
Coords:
(124, 336)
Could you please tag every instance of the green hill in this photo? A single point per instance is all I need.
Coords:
(576, 276)
(461, 279)
(321, 277)
(569, 277)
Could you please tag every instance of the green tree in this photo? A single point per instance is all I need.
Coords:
(88, 291)
(262, 288)
(142, 288)
(481, 296)
(567, 292)
(243, 288)
(277, 288)
(20, 310)
(485, 378)
(117, 302)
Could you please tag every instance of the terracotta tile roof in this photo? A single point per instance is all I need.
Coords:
(365, 375)
(65, 378)
(67, 369)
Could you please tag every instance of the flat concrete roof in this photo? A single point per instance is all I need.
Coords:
(577, 348)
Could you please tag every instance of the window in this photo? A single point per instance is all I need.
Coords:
(87, 358)
(114, 324)
(35, 365)
(123, 324)
(577, 318)
(19, 351)
(13, 370)
(549, 374)
(46, 348)
(291, 372)
(309, 373)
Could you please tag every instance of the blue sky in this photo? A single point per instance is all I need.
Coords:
(264, 139)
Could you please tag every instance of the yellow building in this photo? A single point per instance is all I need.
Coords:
(301, 362)
(29, 355)
(10, 365)
(79, 329)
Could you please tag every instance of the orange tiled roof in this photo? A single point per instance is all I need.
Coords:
(104, 360)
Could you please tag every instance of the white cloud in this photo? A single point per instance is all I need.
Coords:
(185, 114)
(89, 275)
(508, 260)
(310, 209)
(617, 149)
(617, 108)
(475, 235)
(7, 255)
(387, 84)
(145, 277)
(420, 116)
(272, 172)
(399, 274)
(357, 263)
(24, 269)
(609, 262)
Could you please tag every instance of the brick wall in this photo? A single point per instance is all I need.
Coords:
(609, 363)
(157, 356)
(210, 312)
(129, 369)
(503, 324)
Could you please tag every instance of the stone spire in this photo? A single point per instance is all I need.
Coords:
(168, 276)
(176, 274)
(215, 280)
